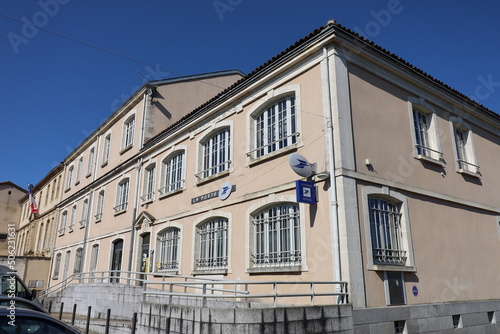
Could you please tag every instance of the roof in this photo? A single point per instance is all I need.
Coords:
(330, 28)
(13, 185)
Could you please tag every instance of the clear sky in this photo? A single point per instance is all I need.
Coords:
(60, 81)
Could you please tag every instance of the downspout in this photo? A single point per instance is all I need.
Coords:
(327, 105)
(134, 213)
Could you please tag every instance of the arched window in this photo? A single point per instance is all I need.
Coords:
(168, 249)
(276, 236)
(128, 132)
(148, 190)
(215, 153)
(122, 195)
(100, 206)
(212, 243)
(77, 268)
(94, 257)
(173, 173)
(64, 220)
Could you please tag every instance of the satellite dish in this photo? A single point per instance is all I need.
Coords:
(300, 165)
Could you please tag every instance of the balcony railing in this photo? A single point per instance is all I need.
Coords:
(121, 207)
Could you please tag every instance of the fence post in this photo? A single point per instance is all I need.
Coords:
(61, 310)
(87, 325)
(167, 326)
(50, 307)
(108, 317)
(134, 322)
(204, 298)
(73, 315)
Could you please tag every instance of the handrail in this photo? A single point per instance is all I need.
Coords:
(205, 288)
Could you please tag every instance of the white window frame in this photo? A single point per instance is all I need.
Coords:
(128, 133)
(289, 137)
(425, 137)
(85, 213)
(387, 289)
(266, 254)
(173, 173)
(149, 183)
(390, 195)
(464, 148)
(90, 164)
(78, 264)
(69, 177)
(169, 248)
(64, 220)
(218, 260)
(57, 265)
(106, 149)
(208, 166)
(94, 257)
(122, 195)
(100, 205)
(79, 170)
(72, 219)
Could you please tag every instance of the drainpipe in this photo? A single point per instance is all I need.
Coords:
(134, 213)
(327, 105)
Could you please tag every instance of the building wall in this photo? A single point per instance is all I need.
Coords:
(10, 194)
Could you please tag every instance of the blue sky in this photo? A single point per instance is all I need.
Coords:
(55, 88)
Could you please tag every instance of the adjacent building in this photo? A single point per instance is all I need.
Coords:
(191, 176)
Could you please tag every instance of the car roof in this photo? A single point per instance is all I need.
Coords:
(6, 270)
(20, 313)
(20, 302)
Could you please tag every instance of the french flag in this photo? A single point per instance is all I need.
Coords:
(33, 206)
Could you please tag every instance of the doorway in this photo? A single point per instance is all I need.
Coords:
(116, 260)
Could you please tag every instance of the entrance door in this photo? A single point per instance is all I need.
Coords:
(145, 256)
(116, 260)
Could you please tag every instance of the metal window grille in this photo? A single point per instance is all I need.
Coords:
(277, 236)
(212, 240)
(276, 127)
(173, 171)
(216, 154)
(386, 232)
(169, 243)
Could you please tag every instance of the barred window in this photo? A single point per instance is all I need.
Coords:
(212, 244)
(276, 127)
(173, 173)
(169, 249)
(386, 232)
(277, 236)
(216, 156)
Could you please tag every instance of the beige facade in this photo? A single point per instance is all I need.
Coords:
(407, 205)
(10, 194)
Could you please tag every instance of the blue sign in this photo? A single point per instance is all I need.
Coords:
(306, 192)
(415, 291)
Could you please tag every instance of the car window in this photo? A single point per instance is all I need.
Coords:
(9, 282)
(29, 325)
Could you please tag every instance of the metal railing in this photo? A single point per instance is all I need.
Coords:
(164, 284)
(265, 149)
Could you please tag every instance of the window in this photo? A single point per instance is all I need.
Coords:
(168, 249)
(387, 227)
(64, 219)
(425, 132)
(275, 127)
(122, 196)
(105, 150)
(57, 265)
(47, 236)
(69, 178)
(173, 173)
(77, 268)
(79, 170)
(212, 240)
(100, 206)
(215, 154)
(40, 238)
(85, 213)
(66, 265)
(276, 236)
(90, 165)
(94, 257)
(149, 183)
(128, 132)
(386, 234)
(464, 147)
(73, 218)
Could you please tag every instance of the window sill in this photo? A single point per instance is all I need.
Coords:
(144, 202)
(67, 189)
(125, 149)
(469, 173)
(166, 271)
(171, 193)
(77, 182)
(213, 177)
(429, 160)
(104, 164)
(267, 270)
(272, 155)
(210, 272)
(120, 212)
(392, 267)
(88, 175)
